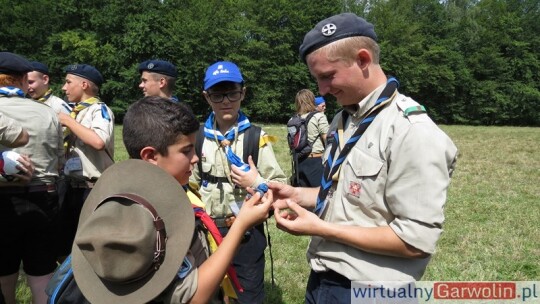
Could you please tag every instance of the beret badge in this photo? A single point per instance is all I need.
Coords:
(328, 29)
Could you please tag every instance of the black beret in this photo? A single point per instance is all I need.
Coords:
(40, 67)
(85, 71)
(158, 66)
(335, 28)
(13, 64)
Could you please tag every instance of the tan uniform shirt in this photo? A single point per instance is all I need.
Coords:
(45, 147)
(317, 127)
(217, 197)
(58, 104)
(396, 175)
(93, 162)
(9, 130)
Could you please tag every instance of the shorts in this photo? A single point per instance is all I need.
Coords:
(27, 232)
(69, 218)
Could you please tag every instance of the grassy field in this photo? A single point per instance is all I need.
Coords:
(492, 229)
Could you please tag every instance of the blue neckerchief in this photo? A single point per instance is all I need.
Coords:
(175, 99)
(11, 91)
(243, 124)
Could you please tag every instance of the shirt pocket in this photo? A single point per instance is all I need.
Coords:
(361, 183)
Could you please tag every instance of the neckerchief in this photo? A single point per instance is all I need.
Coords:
(331, 166)
(46, 96)
(214, 231)
(74, 111)
(210, 131)
(11, 91)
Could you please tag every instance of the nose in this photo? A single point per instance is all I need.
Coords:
(324, 87)
(141, 85)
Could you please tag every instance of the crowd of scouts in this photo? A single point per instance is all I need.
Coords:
(182, 220)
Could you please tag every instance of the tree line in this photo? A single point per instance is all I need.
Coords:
(468, 61)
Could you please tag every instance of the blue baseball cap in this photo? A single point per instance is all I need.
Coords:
(158, 66)
(13, 64)
(319, 100)
(335, 28)
(222, 71)
(85, 71)
(40, 67)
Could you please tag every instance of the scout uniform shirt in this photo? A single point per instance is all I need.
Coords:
(396, 175)
(317, 126)
(219, 196)
(9, 130)
(85, 163)
(45, 147)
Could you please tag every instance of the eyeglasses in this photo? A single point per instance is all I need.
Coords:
(231, 96)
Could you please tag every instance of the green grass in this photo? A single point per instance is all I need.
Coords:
(491, 230)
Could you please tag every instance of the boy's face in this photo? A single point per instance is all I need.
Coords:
(181, 158)
(150, 84)
(38, 84)
(219, 98)
(73, 88)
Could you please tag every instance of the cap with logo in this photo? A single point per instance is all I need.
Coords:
(335, 28)
(85, 71)
(158, 66)
(222, 71)
(13, 64)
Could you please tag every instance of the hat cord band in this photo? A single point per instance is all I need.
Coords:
(161, 233)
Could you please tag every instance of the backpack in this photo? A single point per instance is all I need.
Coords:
(250, 147)
(299, 145)
(62, 287)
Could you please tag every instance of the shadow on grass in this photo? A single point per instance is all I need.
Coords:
(274, 294)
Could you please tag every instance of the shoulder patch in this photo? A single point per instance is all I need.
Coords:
(185, 268)
(105, 113)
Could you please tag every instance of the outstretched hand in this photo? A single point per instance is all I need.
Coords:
(296, 220)
(254, 210)
(242, 178)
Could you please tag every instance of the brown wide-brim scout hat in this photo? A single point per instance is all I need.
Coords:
(134, 230)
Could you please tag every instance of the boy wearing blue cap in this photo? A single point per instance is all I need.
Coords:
(378, 213)
(158, 78)
(228, 147)
(39, 88)
(89, 143)
(320, 104)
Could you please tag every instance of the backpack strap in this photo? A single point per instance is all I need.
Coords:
(198, 150)
(251, 144)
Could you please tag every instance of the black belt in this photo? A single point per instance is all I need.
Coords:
(214, 179)
(28, 189)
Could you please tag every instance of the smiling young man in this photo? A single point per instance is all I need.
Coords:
(224, 170)
(39, 88)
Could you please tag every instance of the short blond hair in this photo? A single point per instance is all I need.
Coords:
(304, 101)
(346, 49)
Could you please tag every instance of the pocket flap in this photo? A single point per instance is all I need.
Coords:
(364, 164)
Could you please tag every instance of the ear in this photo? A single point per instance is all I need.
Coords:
(206, 97)
(149, 154)
(363, 58)
(45, 79)
(162, 82)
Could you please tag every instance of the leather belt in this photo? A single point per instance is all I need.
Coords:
(81, 184)
(224, 222)
(315, 155)
(28, 189)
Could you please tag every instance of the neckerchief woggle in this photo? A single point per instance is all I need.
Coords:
(332, 166)
(11, 91)
(211, 132)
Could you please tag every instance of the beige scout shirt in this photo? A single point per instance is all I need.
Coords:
(9, 130)
(45, 147)
(93, 162)
(58, 104)
(217, 197)
(397, 175)
(317, 126)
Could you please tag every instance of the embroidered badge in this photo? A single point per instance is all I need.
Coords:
(73, 67)
(150, 66)
(354, 189)
(328, 29)
(184, 268)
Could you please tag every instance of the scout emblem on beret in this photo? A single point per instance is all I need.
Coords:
(73, 67)
(150, 66)
(328, 29)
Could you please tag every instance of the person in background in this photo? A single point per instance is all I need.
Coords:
(320, 104)
(158, 78)
(310, 168)
(39, 88)
(378, 213)
(90, 144)
(28, 210)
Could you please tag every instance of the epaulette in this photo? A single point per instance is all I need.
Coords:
(265, 139)
(412, 110)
